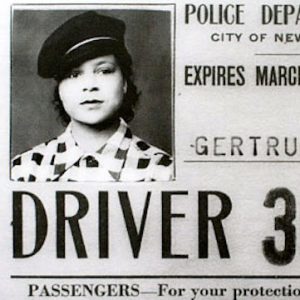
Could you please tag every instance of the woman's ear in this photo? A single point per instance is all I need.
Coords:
(125, 87)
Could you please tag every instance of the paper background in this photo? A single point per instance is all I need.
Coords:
(209, 111)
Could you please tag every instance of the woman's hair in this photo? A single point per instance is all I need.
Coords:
(130, 98)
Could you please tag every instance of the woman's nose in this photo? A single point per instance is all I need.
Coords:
(90, 84)
(90, 89)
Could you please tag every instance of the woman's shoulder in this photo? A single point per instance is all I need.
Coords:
(149, 150)
(24, 166)
(157, 162)
(35, 153)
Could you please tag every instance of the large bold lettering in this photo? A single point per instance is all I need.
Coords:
(103, 225)
(83, 206)
(135, 235)
(167, 216)
(283, 223)
(41, 224)
(204, 218)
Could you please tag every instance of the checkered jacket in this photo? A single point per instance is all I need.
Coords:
(124, 157)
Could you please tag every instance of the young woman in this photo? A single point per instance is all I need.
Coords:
(95, 96)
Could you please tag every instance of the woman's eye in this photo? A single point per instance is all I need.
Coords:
(74, 74)
(105, 71)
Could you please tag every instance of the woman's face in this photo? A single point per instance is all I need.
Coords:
(93, 92)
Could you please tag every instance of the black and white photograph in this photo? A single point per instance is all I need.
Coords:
(80, 78)
(150, 150)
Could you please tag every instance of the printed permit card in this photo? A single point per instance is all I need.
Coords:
(150, 150)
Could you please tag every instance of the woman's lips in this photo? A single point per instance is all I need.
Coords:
(92, 101)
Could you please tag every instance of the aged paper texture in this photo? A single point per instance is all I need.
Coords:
(204, 204)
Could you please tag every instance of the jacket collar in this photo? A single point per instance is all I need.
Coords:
(111, 156)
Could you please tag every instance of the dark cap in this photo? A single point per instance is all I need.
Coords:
(82, 37)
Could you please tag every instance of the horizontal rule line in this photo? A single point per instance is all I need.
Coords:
(242, 161)
(90, 4)
(155, 276)
(277, 54)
